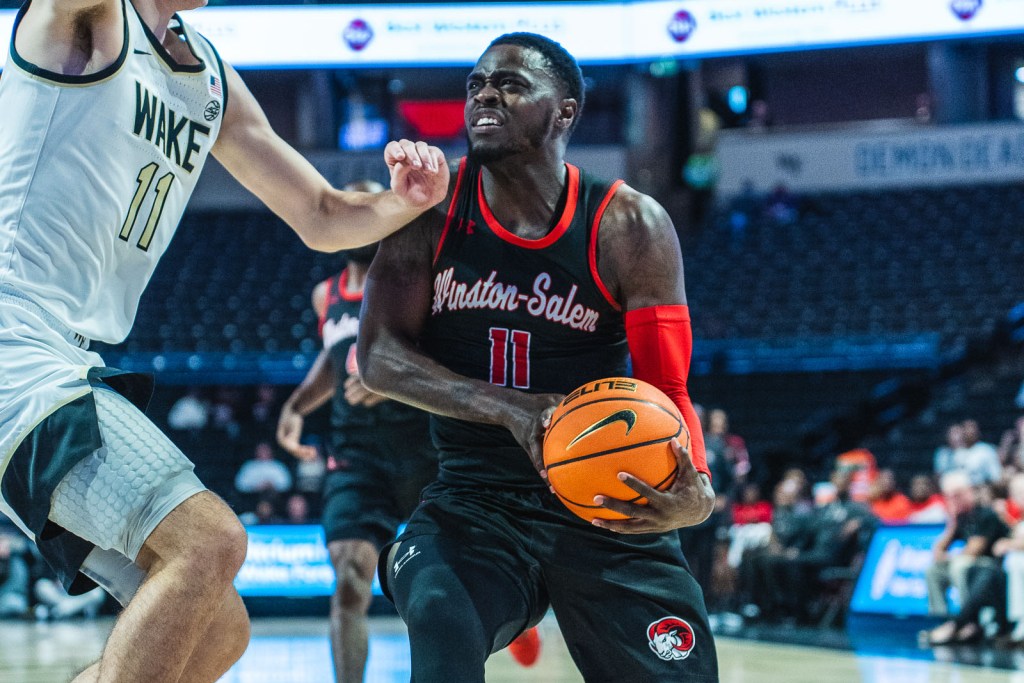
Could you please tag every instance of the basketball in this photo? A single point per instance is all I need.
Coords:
(611, 425)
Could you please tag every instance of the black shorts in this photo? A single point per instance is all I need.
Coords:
(627, 605)
(377, 482)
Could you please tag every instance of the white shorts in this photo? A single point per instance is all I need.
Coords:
(116, 497)
(122, 476)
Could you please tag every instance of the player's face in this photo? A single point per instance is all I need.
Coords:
(512, 100)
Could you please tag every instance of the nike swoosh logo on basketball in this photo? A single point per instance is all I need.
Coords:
(627, 416)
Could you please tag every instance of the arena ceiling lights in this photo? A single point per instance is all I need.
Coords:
(600, 32)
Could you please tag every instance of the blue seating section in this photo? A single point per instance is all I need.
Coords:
(883, 264)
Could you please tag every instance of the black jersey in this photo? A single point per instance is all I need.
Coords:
(531, 315)
(338, 329)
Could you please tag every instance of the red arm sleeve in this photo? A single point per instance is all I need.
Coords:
(661, 344)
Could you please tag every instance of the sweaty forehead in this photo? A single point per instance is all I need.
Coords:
(513, 58)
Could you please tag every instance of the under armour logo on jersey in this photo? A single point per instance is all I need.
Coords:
(404, 559)
(467, 225)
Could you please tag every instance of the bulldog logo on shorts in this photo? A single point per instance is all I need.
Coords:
(670, 638)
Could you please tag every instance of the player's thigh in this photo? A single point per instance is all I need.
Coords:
(437, 582)
(632, 616)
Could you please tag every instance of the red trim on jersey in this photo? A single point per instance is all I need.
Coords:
(551, 237)
(592, 249)
(343, 288)
(661, 345)
(451, 210)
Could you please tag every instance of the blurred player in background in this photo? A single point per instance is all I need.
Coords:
(108, 110)
(535, 279)
(379, 456)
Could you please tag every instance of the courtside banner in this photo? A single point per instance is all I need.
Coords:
(892, 580)
(599, 32)
(287, 561)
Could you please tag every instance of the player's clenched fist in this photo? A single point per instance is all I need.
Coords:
(419, 174)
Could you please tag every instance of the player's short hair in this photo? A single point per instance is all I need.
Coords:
(564, 65)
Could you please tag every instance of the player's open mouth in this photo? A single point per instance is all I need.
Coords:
(482, 122)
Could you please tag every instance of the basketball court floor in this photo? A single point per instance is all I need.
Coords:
(295, 650)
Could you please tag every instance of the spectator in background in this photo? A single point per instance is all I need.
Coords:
(789, 534)
(1011, 509)
(264, 412)
(751, 524)
(1012, 549)
(751, 508)
(297, 508)
(974, 571)
(887, 503)
(224, 413)
(265, 512)
(863, 468)
(836, 533)
(926, 503)
(1011, 445)
(797, 479)
(979, 458)
(263, 473)
(190, 413)
(945, 455)
(732, 448)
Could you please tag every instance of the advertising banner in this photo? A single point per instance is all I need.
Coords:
(870, 157)
(455, 34)
(893, 578)
(287, 561)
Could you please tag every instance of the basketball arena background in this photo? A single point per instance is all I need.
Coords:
(847, 178)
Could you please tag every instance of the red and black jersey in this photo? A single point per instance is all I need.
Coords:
(338, 329)
(526, 314)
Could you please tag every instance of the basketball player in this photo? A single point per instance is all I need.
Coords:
(534, 279)
(380, 456)
(108, 110)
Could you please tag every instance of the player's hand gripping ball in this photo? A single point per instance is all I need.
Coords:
(611, 425)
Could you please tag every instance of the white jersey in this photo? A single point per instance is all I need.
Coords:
(95, 172)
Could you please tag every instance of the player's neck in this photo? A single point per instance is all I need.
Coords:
(524, 193)
(156, 15)
(356, 278)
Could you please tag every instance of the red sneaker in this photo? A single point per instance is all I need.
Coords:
(525, 649)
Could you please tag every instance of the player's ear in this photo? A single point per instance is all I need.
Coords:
(567, 110)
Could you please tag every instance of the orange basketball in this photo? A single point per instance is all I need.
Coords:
(605, 427)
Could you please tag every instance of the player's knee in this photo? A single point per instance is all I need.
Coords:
(220, 551)
(430, 607)
(353, 592)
